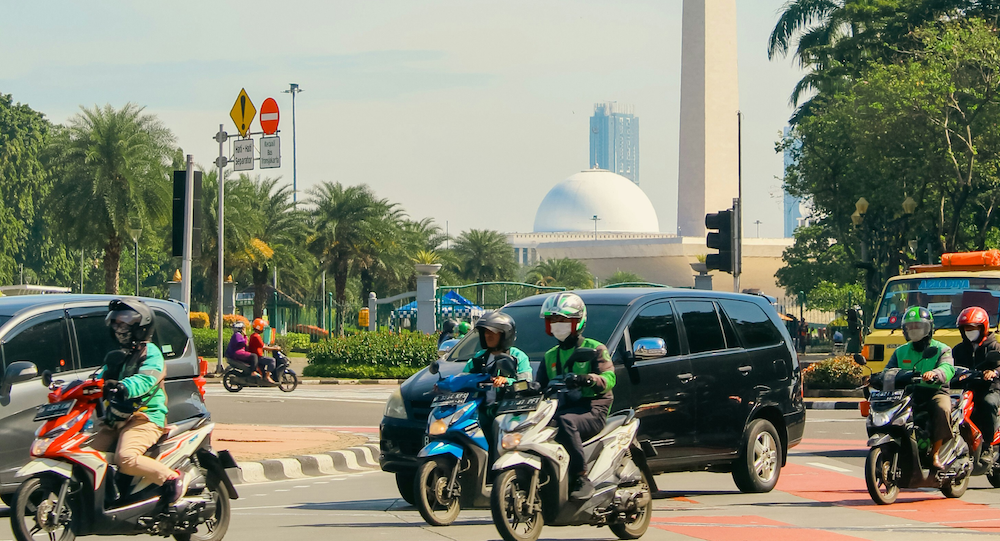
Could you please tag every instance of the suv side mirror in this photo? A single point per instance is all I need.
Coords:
(649, 348)
(17, 372)
(434, 368)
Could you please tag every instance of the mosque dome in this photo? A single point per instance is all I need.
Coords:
(618, 203)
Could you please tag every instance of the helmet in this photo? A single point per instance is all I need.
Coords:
(918, 323)
(568, 305)
(500, 323)
(448, 325)
(974, 316)
(239, 326)
(258, 325)
(463, 328)
(130, 322)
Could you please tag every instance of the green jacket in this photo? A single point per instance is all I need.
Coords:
(523, 365)
(601, 367)
(143, 382)
(942, 363)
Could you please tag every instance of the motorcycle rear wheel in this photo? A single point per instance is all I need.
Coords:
(509, 493)
(288, 381)
(994, 477)
(881, 488)
(430, 482)
(32, 494)
(229, 382)
(635, 529)
(214, 529)
(955, 490)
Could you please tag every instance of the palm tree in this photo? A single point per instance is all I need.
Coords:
(352, 229)
(111, 171)
(484, 256)
(623, 277)
(566, 272)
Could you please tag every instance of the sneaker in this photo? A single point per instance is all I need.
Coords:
(175, 489)
(582, 488)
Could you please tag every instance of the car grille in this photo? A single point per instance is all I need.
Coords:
(420, 410)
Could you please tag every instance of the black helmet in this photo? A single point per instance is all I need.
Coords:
(448, 325)
(497, 322)
(130, 322)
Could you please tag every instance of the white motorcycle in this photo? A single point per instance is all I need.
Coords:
(531, 487)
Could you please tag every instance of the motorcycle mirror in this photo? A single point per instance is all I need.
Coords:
(860, 359)
(507, 366)
(434, 368)
(47, 378)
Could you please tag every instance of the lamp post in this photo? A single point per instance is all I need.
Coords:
(293, 89)
(596, 219)
(135, 231)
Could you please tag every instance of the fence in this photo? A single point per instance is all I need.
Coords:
(790, 305)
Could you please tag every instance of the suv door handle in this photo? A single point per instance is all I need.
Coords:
(685, 377)
(746, 368)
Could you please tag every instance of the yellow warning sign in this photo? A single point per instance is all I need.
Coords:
(243, 113)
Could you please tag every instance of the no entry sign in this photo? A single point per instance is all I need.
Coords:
(269, 116)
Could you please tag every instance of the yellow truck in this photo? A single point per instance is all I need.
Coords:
(961, 281)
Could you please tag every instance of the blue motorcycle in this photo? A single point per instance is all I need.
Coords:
(456, 460)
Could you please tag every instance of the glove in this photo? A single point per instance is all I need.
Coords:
(573, 381)
(114, 389)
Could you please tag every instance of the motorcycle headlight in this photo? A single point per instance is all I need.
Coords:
(517, 425)
(395, 407)
(882, 418)
(510, 441)
(438, 427)
(41, 445)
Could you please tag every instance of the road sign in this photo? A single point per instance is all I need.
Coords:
(243, 113)
(270, 151)
(269, 118)
(243, 156)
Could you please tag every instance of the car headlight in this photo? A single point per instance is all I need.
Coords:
(395, 407)
(510, 441)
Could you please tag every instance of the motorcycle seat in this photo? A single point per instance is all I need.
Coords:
(173, 430)
(239, 365)
(613, 422)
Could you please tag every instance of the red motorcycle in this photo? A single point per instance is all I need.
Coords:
(72, 489)
(985, 456)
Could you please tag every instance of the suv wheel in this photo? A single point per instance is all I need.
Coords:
(404, 483)
(757, 468)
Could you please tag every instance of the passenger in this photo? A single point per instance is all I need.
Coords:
(137, 403)
(979, 350)
(584, 412)
(933, 360)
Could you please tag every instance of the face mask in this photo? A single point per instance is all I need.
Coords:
(917, 334)
(972, 336)
(561, 330)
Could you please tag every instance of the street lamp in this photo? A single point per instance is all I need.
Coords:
(293, 89)
(596, 219)
(909, 205)
(135, 231)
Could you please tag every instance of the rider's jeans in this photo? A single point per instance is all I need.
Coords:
(135, 437)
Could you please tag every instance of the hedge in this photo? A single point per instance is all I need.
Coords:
(199, 320)
(836, 373)
(359, 371)
(380, 348)
(206, 341)
(293, 341)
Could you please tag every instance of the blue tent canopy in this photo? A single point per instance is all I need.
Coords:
(451, 305)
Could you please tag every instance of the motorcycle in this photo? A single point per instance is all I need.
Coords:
(456, 457)
(531, 487)
(985, 458)
(238, 375)
(73, 490)
(900, 444)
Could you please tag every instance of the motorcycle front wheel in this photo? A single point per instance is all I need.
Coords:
(430, 488)
(879, 476)
(229, 382)
(34, 516)
(288, 381)
(213, 529)
(507, 504)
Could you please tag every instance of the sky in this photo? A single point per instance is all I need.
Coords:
(464, 111)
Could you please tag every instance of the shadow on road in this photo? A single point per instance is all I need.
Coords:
(841, 453)
(384, 504)
(667, 494)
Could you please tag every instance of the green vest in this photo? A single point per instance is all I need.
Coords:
(910, 359)
(557, 356)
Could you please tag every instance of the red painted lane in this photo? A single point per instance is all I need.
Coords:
(920, 506)
(745, 528)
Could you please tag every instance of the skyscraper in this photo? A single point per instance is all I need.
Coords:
(796, 212)
(614, 140)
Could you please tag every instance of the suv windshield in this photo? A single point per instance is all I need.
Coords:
(944, 297)
(531, 338)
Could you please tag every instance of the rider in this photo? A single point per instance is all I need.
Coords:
(584, 412)
(137, 404)
(979, 350)
(447, 331)
(462, 329)
(257, 347)
(237, 349)
(497, 332)
(933, 360)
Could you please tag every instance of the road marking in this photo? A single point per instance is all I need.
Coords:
(296, 486)
(829, 467)
(281, 490)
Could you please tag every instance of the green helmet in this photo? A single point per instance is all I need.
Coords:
(918, 323)
(463, 328)
(568, 305)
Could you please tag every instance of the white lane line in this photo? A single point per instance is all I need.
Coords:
(829, 467)
(296, 486)
(321, 482)
(282, 490)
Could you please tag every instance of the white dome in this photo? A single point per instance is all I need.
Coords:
(619, 204)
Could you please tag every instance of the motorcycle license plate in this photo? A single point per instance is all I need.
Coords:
(51, 411)
(451, 399)
(885, 396)
(516, 405)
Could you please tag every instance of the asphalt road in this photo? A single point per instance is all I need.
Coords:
(308, 405)
(821, 496)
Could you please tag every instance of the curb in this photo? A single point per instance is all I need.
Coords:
(832, 405)
(350, 460)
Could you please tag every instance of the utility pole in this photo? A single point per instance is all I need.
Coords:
(293, 89)
(596, 219)
(221, 163)
(188, 221)
(757, 223)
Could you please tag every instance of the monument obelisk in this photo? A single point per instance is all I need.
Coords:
(708, 173)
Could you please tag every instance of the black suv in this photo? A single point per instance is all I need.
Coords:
(66, 335)
(711, 375)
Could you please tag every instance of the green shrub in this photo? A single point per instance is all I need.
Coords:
(380, 348)
(359, 371)
(293, 341)
(206, 341)
(836, 373)
(199, 320)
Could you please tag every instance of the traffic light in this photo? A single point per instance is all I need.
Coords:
(721, 240)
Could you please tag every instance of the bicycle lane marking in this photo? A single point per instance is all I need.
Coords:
(750, 528)
(850, 492)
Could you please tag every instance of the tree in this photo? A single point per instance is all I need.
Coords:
(565, 272)
(835, 298)
(483, 255)
(816, 257)
(623, 277)
(111, 170)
